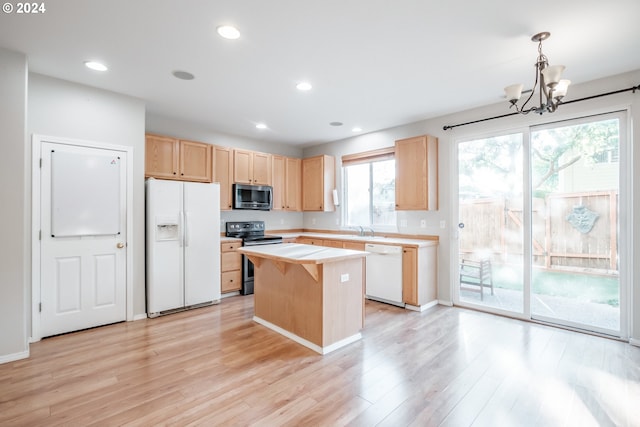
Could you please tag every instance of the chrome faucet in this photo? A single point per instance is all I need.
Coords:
(361, 231)
(373, 234)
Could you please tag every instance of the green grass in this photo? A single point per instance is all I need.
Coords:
(583, 287)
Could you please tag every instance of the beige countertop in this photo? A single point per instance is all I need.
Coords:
(296, 253)
(382, 240)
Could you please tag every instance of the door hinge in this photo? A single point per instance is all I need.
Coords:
(40, 162)
(39, 234)
(40, 307)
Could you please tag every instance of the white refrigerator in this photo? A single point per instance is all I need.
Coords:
(183, 244)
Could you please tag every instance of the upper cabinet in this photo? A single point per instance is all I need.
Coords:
(318, 182)
(293, 184)
(223, 173)
(417, 173)
(286, 183)
(251, 167)
(171, 158)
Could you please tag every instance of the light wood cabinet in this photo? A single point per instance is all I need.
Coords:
(251, 167)
(410, 276)
(223, 173)
(419, 275)
(230, 267)
(286, 183)
(357, 246)
(161, 157)
(293, 184)
(333, 243)
(318, 182)
(309, 241)
(172, 158)
(417, 173)
(278, 181)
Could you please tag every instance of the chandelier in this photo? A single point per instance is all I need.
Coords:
(551, 89)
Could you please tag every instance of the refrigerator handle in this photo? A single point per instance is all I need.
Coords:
(181, 236)
(186, 229)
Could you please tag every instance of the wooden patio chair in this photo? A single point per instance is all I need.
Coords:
(476, 275)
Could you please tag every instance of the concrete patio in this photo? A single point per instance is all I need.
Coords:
(603, 316)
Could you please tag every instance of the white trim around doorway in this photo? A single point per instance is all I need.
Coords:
(36, 142)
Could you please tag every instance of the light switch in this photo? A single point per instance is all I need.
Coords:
(344, 277)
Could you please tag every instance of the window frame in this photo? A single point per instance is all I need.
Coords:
(366, 157)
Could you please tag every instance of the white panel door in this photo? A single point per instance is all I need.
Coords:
(202, 242)
(165, 287)
(83, 276)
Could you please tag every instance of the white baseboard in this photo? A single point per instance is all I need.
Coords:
(139, 316)
(13, 357)
(634, 341)
(447, 303)
(421, 307)
(230, 294)
(306, 343)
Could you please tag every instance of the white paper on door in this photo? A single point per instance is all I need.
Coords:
(85, 194)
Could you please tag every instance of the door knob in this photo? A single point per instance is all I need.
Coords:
(120, 245)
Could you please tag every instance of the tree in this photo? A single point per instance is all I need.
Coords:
(552, 150)
(556, 149)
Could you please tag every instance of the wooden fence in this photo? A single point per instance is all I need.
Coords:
(494, 228)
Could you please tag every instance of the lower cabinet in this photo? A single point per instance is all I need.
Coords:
(310, 241)
(357, 246)
(230, 267)
(419, 275)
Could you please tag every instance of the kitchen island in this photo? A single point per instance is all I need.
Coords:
(312, 295)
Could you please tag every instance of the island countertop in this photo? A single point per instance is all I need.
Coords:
(295, 253)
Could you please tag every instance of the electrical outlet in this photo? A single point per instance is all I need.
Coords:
(313, 221)
(443, 224)
(423, 223)
(344, 277)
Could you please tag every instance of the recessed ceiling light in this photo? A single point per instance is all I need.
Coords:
(304, 86)
(356, 129)
(261, 126)
(96, 66)
(228, 32)
(335, 124)
(183, 75)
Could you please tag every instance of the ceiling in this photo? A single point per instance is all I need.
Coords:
(373, 64)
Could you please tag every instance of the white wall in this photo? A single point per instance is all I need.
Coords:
(15, 214)
(447, 145)
(274, 220)
(69, 110)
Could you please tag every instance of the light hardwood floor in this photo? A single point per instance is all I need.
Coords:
(215, 366)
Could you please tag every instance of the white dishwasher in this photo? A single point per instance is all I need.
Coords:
(384, 273)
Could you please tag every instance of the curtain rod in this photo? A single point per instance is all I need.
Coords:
(633, 88)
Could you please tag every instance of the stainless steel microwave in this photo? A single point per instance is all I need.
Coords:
(258, 197)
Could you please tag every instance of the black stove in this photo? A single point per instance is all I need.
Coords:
(252, 234)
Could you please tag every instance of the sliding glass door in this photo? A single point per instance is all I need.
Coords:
(490, 224)
(575, 189)
(539, 223)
